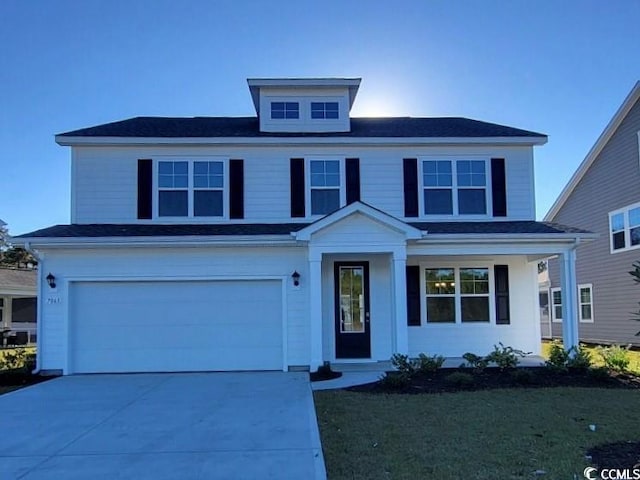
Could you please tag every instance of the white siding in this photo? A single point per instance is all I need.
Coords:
(170, 264)
(105, 178)
(453, 340)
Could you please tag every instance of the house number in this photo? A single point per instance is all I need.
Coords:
(53, 300)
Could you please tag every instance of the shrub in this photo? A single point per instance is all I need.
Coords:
(523, 376)
(600, 373)
(615, 357)
(394, 381)
(558, 357)
(403, 364)
(17, 359)
(476, 362)
(505, 357)
(576, 358)
(459, 379)
(580, 361)
(425, 364)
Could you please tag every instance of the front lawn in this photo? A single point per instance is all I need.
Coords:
(634, 356)
(491, 434)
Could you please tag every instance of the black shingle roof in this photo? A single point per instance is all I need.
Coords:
(207, 127)
(134, 230)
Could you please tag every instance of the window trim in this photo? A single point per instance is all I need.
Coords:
(324, 109)
(191, 189)
(454, 187)
(554, 319)
(457, 266)
(627, 229)
(307, 182)
(285, 118)
(580, 304)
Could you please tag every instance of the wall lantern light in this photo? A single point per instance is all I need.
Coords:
(51, 280)
(296, 278)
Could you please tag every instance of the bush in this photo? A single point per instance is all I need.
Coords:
(17, 359)
(476, 362)
(523, 376)
(600, 373)
(561, 360)
(505, 357)
(615, 357)
(425, 364)
(403, 364)
(459, 379)
(580, 361)
(394, 381)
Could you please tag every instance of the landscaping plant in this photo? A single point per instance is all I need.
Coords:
(615, 357)
(505, 357)
(425, 364)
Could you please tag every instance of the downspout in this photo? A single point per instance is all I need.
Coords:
(36, 255)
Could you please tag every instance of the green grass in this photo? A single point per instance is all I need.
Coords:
(493, 434)
(634, 356)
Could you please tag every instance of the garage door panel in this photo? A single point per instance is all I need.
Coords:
(176, 326)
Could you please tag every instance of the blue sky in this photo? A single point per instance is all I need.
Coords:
(561, 68)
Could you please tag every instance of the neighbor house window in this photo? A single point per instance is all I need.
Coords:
(285, 110)
(457, 295)
(585, 297)
(454, 187)
(556, 304)
(190, 188)
(327, 110)
(325, 186)
(624, 228)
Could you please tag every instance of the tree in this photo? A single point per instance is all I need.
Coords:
(11, 256)
(635, 273)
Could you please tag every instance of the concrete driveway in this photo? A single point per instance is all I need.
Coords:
(162, 426)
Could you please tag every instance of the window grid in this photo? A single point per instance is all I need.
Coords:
(285, 110)
(624, 229)
(325, 186)
(585, 303)
(440, 292)
(454, 187)
(556, 304)
(474, 294)
(324, 110)
(188, 188)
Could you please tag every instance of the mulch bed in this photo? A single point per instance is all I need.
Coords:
(322, 375)
(19, 378)
(492, 378)
(619, 455)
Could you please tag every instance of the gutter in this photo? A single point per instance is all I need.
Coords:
(37, 256)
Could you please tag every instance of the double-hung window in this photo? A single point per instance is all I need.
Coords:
(326, 110)
(556, 304)
(325, 186)
(285, 110)
(624, 228)
(585, 297)
(454, 187)
(190, 188)
(457, 295)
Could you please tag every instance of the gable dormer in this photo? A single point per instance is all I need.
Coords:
(298, 105)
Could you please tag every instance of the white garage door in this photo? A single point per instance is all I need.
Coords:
(175, 326)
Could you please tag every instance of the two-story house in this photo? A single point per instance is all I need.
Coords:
(603, 197)
(291, 238)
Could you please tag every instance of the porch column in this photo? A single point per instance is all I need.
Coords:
(569, 299)
(400, 302)
(315, 307)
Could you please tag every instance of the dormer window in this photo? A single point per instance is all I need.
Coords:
(285, 110)
(322, 110)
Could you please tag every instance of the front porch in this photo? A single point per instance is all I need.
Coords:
(379, 286)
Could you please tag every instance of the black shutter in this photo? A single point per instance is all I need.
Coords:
(297, 187)
(145, 193)
(352, 170)
(501, 274)
(236, 189)
(498, 187)
(410, 170)
(413, 295)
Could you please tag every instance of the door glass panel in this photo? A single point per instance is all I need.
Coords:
(351, 300)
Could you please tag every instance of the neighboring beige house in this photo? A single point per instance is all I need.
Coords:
(17, 306)
(603, 196)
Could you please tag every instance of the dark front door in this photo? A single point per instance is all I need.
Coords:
(353, 335)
